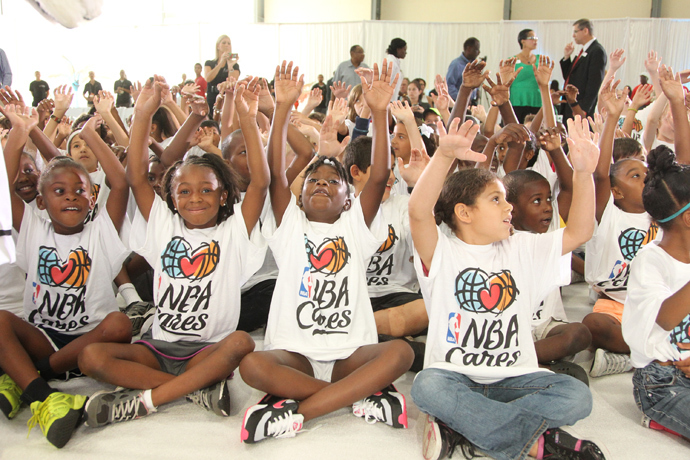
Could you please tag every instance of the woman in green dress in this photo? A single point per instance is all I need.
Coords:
(524, 92)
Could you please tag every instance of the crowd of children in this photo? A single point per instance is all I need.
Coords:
(387, 237)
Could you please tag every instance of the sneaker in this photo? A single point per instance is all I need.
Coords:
(58, 416)
(608, 363)
(272, 417)
(649, 423)
(440, 441)
(115, 406)
(138, 313)
(558, 444)
(215, 398)
(387, 406)
(10, 401)
(571, 369)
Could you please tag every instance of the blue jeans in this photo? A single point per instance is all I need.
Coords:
(503, 419)
(663, 394)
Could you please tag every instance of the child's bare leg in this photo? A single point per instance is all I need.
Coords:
(368, 370)
(606, 332)
(21, 344)
(115, 328)
(563, 340)
(281, 373)
(407, 319)
(210, 366)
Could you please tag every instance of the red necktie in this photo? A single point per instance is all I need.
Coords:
(572, 67)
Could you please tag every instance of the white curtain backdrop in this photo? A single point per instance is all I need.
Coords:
(64, 56)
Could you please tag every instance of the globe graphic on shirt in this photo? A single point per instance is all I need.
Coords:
(630, 241)
(479, 292)
(681, 333)
(72, 273)
(468, 285)
(180, 260)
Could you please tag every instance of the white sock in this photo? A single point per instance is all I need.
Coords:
(148, 402)
(129, 293)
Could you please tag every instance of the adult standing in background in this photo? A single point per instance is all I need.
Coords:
(5, 71)
(345, 72)
(586, 71)
(470, 52)
(323, 106)
(123, 89)
(39, 89)
(217, 70)
(524, 92)
(397, 50)
(199, 81)
(91, 88)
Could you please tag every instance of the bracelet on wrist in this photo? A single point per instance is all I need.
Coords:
(634, 110)
(55, 118)
(574, 104)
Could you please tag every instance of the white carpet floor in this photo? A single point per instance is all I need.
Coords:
(183, 430)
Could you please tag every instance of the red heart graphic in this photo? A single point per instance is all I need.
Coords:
(323, 259)
(490, 297)
(60, 274)
(189, 266)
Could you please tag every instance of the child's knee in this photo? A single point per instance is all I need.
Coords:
(426, 387)
(240, 344)
(6, 318)
(116, 327)
(598, 323)
(252, 367)
(578, 336)
(402, 353)
(91, 359)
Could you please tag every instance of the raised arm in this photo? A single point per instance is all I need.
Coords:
(228, 112)
(138, 159)
(472, 77)
(104, 102)
(287, 90)
(584, 155)
(455, 144)
(182, 141)
(378, 96)
(500, 96)
(23, 120)
(116, 204)
(403, 114)
(673, 90)
(63, 99)
(642, 97)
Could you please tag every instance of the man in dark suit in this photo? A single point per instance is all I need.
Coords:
(586, 71)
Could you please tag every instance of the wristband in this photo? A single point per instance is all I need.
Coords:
(634, 110)
(55, 118)
(575, 104)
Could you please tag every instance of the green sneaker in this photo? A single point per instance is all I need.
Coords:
(10, 401)
(58, 416)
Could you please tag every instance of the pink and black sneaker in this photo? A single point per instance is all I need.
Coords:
(387, 406)
(271, 417)
(558, 444)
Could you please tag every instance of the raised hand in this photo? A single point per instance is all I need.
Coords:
(412, 171)
(612, 100)
(287, 86)
(367, 74)
(571, 93)
(550, 139)
(64, 128)
(479, 112)
(247, 98)
(103, 102)
(314, 99)
(266, 103)
(473, 76)
(44, 109)
(328, 139)
(205, 141)
(543, 73)
(402, 112)
(582, 144)
(136, 90)
(12, 97)
(569, 48)
(456, 142)
(63, 98)
(380, 92)
(198, 105)
(652, 62)
(338, 89)
(499, 92)
(20, 117)
(512, 134)
(616, 59)
(189, 88)
(596, 123)
(151, 95)
(671, 84)
(337, 110)
(506, 69)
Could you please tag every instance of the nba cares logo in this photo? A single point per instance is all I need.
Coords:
(180, 260)
(453, 335)
(479, 292)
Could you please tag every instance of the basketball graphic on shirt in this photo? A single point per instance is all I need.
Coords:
(72, 273)
(632, 239)
(179, 260)
(681, 333)
(330, 257)
(390, 241)
(479, 292)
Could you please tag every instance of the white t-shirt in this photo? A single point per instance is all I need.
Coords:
(654, 277)
(269, 269)
(99, 191)
(69, 277)
(197, 273)
(391, 269)
(400, 186)
(320, 305)
(480, 301)
(616, 240)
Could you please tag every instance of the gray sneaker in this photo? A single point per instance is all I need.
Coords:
(215, 398)
(138, 313)
(608, 363)
(106, 407)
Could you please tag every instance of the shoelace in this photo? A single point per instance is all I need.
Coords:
(128, 409)
(282, 426)
(46, 412)
(201, 398)
(372, 411)
(615, 363)
(7, 384)
(454, 440)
